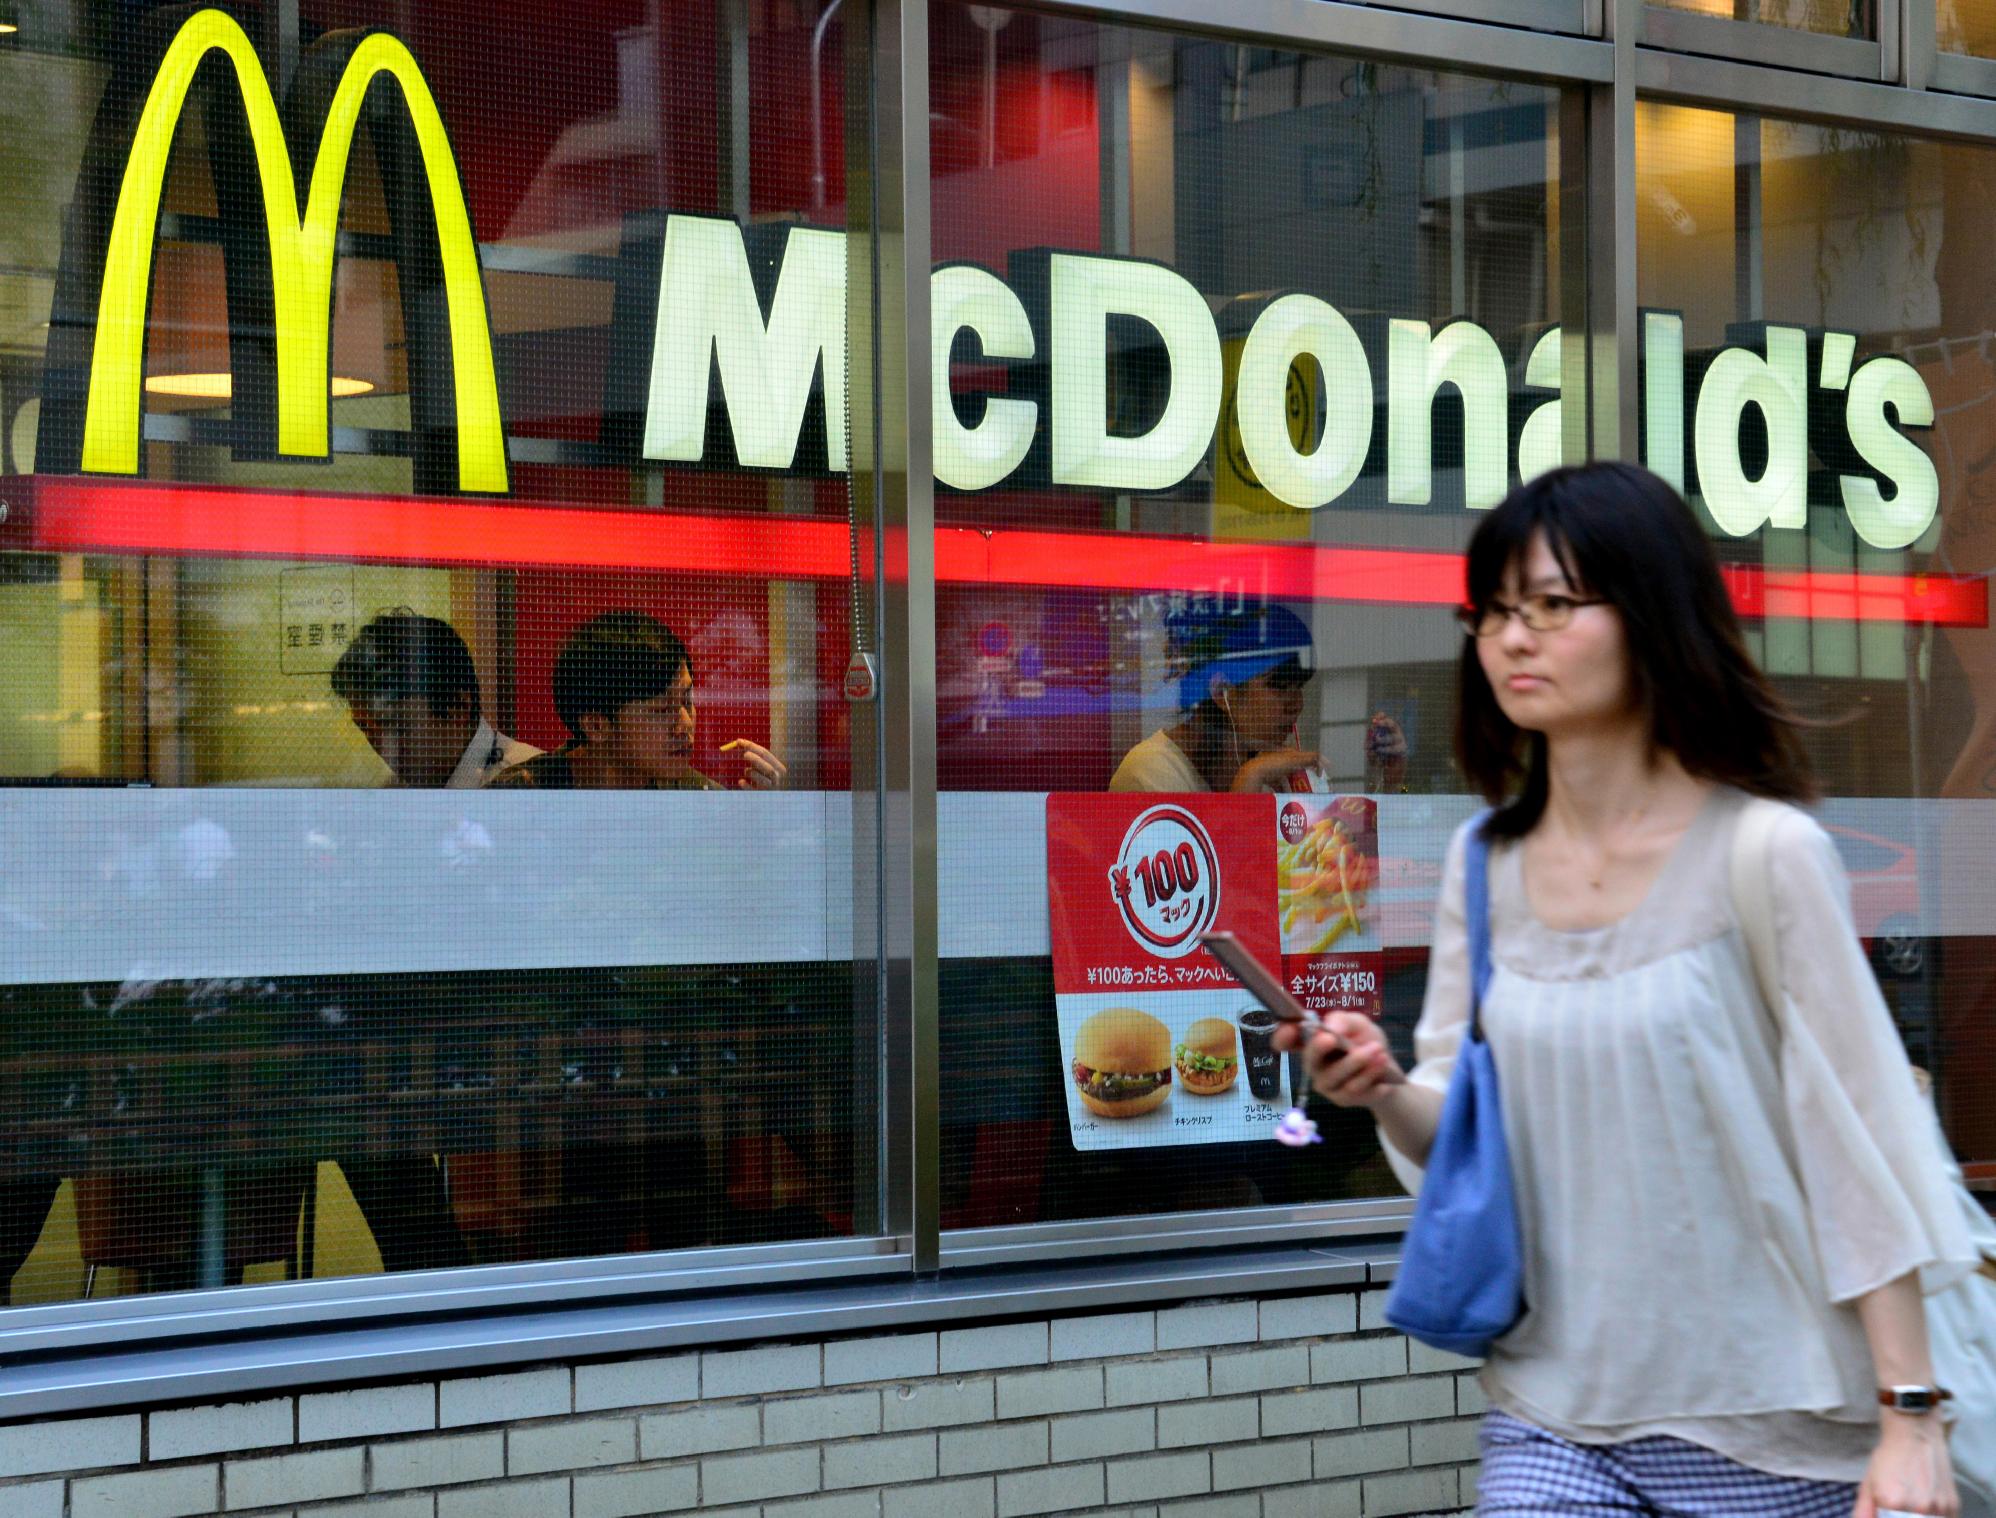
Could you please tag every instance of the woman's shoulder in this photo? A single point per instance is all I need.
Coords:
(1802, 859)
(1455, 856)
(1794, 833)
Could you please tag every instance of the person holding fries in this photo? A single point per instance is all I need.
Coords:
(1729, 1204)
(1240, 687)
(623, 686)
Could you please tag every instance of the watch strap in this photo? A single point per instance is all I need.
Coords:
(1913, 1399)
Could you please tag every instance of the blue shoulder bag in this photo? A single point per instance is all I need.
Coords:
(1461, 1281)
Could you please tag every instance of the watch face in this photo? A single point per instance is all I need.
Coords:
(1914, 1399)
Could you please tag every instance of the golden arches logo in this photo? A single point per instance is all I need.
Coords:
(301, 254)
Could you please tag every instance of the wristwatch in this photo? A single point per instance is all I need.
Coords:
(1914, 1401)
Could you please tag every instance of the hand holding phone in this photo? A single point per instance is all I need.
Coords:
(1322, 1046)
(1260, 981)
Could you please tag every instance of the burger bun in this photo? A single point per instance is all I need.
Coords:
(1214, 1037)
(1124, 1041)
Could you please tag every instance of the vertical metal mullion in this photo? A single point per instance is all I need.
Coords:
(1598, 252)
(280, 44)
(1918, 42)
(891, 423)
(1749, 244)
(733, 130)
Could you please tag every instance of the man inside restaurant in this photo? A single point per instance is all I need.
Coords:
(623, 686)
(1239, 676)
(411, 688)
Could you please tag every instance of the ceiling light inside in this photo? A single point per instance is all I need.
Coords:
(217, 386)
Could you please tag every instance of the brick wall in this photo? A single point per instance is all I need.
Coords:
(1278, 1408)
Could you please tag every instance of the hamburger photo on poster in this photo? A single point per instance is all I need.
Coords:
(1155, 1036)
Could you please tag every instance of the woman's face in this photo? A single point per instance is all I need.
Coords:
(1572, 679)
(1264, 710)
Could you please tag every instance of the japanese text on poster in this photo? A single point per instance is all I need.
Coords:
(1158, 1044)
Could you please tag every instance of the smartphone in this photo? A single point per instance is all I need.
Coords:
(1261, 983)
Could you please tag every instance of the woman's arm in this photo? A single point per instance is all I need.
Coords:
(1910, 1471)
(1408, 1116)
(1406, 1105)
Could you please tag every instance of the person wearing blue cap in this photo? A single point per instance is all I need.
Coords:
(1240, 678)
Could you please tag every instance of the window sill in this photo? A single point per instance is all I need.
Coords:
(310, 1356)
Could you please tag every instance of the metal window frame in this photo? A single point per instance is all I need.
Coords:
(1416, 38)
(1616, 52)
(1725, 84)
(67, 1327)
(1778, 47)
(976, 1248)
(1964, 74)
(310, 1355)
(1569, 16)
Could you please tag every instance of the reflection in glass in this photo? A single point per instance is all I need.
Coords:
(1966, 26)
(287, 990)
(1346, 206)
(1748, 226)
(1832, 18)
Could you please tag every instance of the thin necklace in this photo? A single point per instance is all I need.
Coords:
(1599, 873)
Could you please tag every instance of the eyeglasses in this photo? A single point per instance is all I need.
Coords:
(1544, 613)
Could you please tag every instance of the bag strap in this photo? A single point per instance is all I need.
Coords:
(1476, 917)
(1753, 896)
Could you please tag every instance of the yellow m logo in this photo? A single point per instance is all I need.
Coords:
(301, 255)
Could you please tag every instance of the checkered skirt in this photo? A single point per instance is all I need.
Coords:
(1530, 1473)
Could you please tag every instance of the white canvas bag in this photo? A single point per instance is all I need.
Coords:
(1961, 1321)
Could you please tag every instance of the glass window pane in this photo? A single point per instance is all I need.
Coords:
(1831, 18)
(397, 648)
(1966, 26)
(1167, 556)
(1853, 261)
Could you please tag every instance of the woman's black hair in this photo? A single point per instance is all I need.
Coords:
(1622, 534)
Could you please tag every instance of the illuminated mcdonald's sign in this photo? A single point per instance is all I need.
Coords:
(746, 333)
(299, 248)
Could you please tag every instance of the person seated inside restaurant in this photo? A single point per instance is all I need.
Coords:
(24, 1208)
(412, 690)
(623, 686)
(1240, 692)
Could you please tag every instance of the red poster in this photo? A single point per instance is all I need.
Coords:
(1327, 863)
(1152, 1043)
(1158, 1044)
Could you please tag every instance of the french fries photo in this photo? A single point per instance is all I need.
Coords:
(1321, 882)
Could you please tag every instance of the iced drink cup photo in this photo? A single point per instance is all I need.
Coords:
(1259, 1055)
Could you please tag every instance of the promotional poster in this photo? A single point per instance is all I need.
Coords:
(1159, 1044)
(1326, 863)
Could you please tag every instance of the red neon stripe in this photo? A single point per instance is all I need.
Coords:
(74, 515)
(1125, 561)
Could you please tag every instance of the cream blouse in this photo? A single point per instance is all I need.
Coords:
(1703, 1191)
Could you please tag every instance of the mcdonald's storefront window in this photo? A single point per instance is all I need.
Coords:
(337, 538)
(1330, 210)
(467, 632)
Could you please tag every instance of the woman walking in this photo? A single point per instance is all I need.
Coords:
(1726, 1208)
